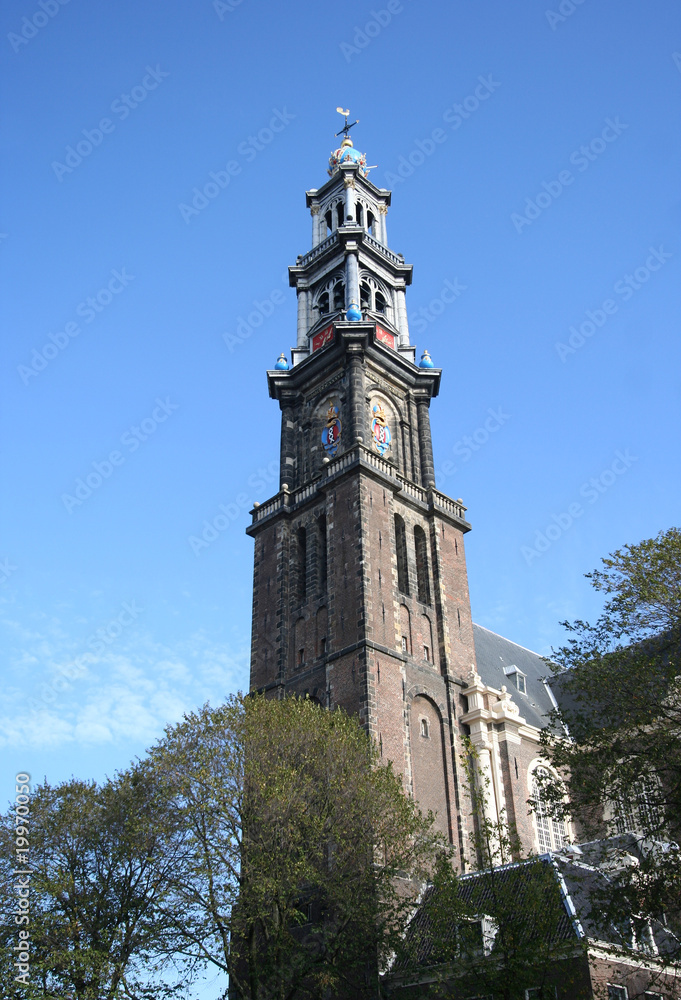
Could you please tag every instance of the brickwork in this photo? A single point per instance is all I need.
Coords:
(332, 616)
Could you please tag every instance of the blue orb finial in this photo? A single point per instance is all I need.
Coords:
(426, 361)
(282, 363)
(353, 312)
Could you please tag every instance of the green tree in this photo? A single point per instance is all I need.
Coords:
(100, 859)
(616, 737)
(306, 855)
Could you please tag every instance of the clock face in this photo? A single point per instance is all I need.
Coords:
(385, 338)
(322, 338)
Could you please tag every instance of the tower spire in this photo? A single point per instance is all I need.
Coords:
(360, 596)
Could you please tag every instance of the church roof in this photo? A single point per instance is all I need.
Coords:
(521, 893)
(496, 655)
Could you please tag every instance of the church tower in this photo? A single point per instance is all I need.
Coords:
(360, 593)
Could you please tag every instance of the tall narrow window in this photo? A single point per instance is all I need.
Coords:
(302, 563)
(641, 810)
(329, 222)
(321, 523)
(339, 296)
(401, 552)
(551, 832)
(365, 295)
(340, 214)
(421, 547)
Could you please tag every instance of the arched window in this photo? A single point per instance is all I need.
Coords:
(330, 297)
(302, 563)
(338, 296)
(405, 629)
(340, 215)
(365, 295)
(425, 729)
(423, 580)
(359, 211)
(374, 296)
(640, 812)
(551, 831)
(401, 552)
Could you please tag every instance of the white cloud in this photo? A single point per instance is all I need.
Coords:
(56, 693)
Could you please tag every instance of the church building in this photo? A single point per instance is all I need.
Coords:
(360, 591)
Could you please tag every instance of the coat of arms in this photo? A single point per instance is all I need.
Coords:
(331, 434)
(380, 431)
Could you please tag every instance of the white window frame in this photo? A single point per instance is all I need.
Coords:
(550, 834)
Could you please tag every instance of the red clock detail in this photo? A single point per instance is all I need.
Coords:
(385, 338)
(322, 338)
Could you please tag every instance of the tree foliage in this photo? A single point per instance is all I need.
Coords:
(616, 737)
(100, 859)
(305, 855)
(620, 691)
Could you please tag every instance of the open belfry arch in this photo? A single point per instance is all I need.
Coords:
(360, 592)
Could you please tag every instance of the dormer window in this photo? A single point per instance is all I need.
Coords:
(518, 677)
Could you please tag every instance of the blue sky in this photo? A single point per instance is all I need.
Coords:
(549, 201)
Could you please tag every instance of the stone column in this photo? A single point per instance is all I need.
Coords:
(351, 278)
(383, 236)
(425, 443)
(402, 322)
(349, 182)
(316, 228)
(303, 325)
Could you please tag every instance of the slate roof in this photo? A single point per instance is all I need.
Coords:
(493, 653)
(577, 886)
